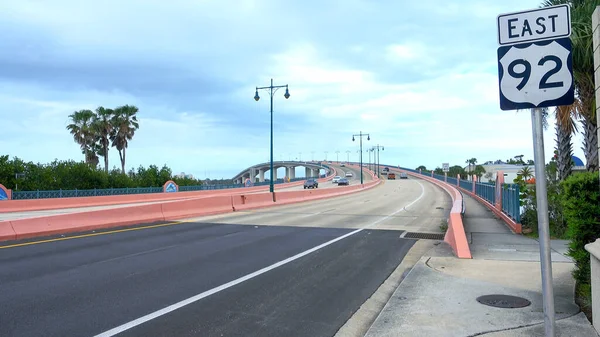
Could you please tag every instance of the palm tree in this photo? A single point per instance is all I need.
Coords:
(583, 71)
(565, 129)
(125, 124)
(82, 131)
(103, 126)
(526, 173)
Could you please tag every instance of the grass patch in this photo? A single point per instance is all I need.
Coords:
(444, 225)
(583, 298)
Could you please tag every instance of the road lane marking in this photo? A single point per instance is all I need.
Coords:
(92, 234)
(183, 303)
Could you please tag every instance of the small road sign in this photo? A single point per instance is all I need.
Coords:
(534, 25)
(446, 167)
(535, 67)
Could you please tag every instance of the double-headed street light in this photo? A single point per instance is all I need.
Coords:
(272, 89)
(360, 135)
(377, 161)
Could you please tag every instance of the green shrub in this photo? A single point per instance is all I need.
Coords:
(69, 175)
(581, 210)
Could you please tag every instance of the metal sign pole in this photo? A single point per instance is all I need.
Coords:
(543, 221)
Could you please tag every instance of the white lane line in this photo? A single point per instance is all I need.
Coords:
(181, 304)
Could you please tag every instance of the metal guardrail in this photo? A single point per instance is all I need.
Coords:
(511, 201)
(25, 195)
(486, 191)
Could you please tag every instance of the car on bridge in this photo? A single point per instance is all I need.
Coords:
(348, 174)
(343, 165)
(335, 179)
(403, 175)
(391, 176)
(343, 181)
(311, 183)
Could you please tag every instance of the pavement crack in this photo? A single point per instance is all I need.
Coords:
(520, 326)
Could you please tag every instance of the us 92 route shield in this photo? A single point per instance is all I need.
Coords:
(536, 75)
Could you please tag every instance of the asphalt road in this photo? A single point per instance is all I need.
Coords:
(295, 270)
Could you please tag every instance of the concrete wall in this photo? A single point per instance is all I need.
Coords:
(594, 249)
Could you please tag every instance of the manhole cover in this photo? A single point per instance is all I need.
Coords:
(503, 301)
(425, 236)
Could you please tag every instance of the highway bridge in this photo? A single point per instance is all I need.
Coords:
(216, 263)
(312, 169)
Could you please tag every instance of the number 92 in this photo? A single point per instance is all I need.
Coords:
(526, 73)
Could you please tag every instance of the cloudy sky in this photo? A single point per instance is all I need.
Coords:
(420, 77)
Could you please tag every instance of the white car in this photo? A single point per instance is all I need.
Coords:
(348, 174)
(336, 179)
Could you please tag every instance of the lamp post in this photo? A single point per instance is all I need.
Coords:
(272, 89)
(360, 135)
(377, 161)
(326, 152)
(337, 156)
(348, 156)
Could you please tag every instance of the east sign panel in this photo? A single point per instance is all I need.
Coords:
(535, 67)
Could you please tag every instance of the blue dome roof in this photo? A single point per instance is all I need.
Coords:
(577, 161)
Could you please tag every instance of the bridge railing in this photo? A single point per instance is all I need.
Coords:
(510, 195)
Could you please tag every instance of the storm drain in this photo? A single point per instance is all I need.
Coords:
(424, 236)
(503, 301)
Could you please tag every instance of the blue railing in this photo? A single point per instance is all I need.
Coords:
(466, 184)
(24, 195)
(486, 191)
(511, 201)
(452, 181)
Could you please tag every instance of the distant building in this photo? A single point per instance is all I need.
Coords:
(511, 171)
(182, 175)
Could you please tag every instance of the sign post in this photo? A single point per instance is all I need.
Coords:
(535, 71)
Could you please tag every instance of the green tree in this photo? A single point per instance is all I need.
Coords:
(125, 124)
(83, 133)
(103, 128)
(583, 71)
(526, 173)
(479, 171)
(422, 168)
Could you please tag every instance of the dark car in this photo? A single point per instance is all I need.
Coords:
(311, 183)
(343, 181)
(386, 169)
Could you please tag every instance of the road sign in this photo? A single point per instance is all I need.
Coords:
(535, 75)
(534, 25)
(446, 167)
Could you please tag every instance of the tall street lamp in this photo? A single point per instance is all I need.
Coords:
(326, 152)
(360, 135)
(378, 147)
(348, 156)
(337, 156)
(272, 89)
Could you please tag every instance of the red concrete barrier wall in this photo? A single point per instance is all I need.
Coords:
(160, 211)
(7, 232)
(60, 203)
(250, 201)
(83, 221)
(197, 207)
(455, 235)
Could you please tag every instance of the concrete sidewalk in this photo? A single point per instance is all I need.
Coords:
(438, 296)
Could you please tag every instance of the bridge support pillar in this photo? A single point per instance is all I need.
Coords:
(292, 172)
(274, 174)
(315, 173)
(307, 172)
(287, 172)
(261, 175)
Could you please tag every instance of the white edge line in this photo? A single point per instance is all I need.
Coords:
(178, 305)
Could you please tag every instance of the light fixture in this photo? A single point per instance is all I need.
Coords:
(287, 93)
(256, 97)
